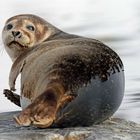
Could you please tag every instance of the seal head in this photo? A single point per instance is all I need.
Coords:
(23, 32)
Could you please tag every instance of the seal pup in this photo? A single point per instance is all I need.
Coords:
(66, 80)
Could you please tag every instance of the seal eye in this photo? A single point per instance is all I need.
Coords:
(30, 27)
(9, 26)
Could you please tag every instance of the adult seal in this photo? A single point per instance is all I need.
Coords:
(66, 80)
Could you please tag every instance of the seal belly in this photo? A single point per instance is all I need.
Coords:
(95, 102)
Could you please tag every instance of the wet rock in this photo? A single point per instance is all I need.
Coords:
(114, 129)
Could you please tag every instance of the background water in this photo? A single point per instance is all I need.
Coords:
(115, 22)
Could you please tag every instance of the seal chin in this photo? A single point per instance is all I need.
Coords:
(17, 44)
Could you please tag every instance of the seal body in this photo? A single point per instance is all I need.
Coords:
(68, 80)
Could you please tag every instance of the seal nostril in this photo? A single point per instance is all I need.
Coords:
(15, 33)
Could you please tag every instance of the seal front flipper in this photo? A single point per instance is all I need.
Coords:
(15, 71)
(14, 98)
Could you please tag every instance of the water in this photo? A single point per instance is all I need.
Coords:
(115, 22)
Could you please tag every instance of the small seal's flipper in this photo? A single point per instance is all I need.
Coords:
(14, 98)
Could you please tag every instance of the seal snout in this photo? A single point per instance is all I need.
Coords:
(16, 34)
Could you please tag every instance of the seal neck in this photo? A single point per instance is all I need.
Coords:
(60, 35)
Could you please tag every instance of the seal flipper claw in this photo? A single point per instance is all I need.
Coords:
(43, 123)
(24, 118)
(18, 122)
(14, 98)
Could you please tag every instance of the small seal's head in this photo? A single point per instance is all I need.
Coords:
(22, 32)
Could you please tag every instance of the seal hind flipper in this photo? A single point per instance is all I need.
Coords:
(14, 98)
(42, 111)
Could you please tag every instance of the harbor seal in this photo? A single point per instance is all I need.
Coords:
(66, 80)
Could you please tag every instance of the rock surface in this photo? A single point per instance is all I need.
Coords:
(114, 129)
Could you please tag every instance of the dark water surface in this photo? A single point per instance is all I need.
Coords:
(115, 22)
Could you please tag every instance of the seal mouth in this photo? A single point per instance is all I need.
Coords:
(17, 44)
